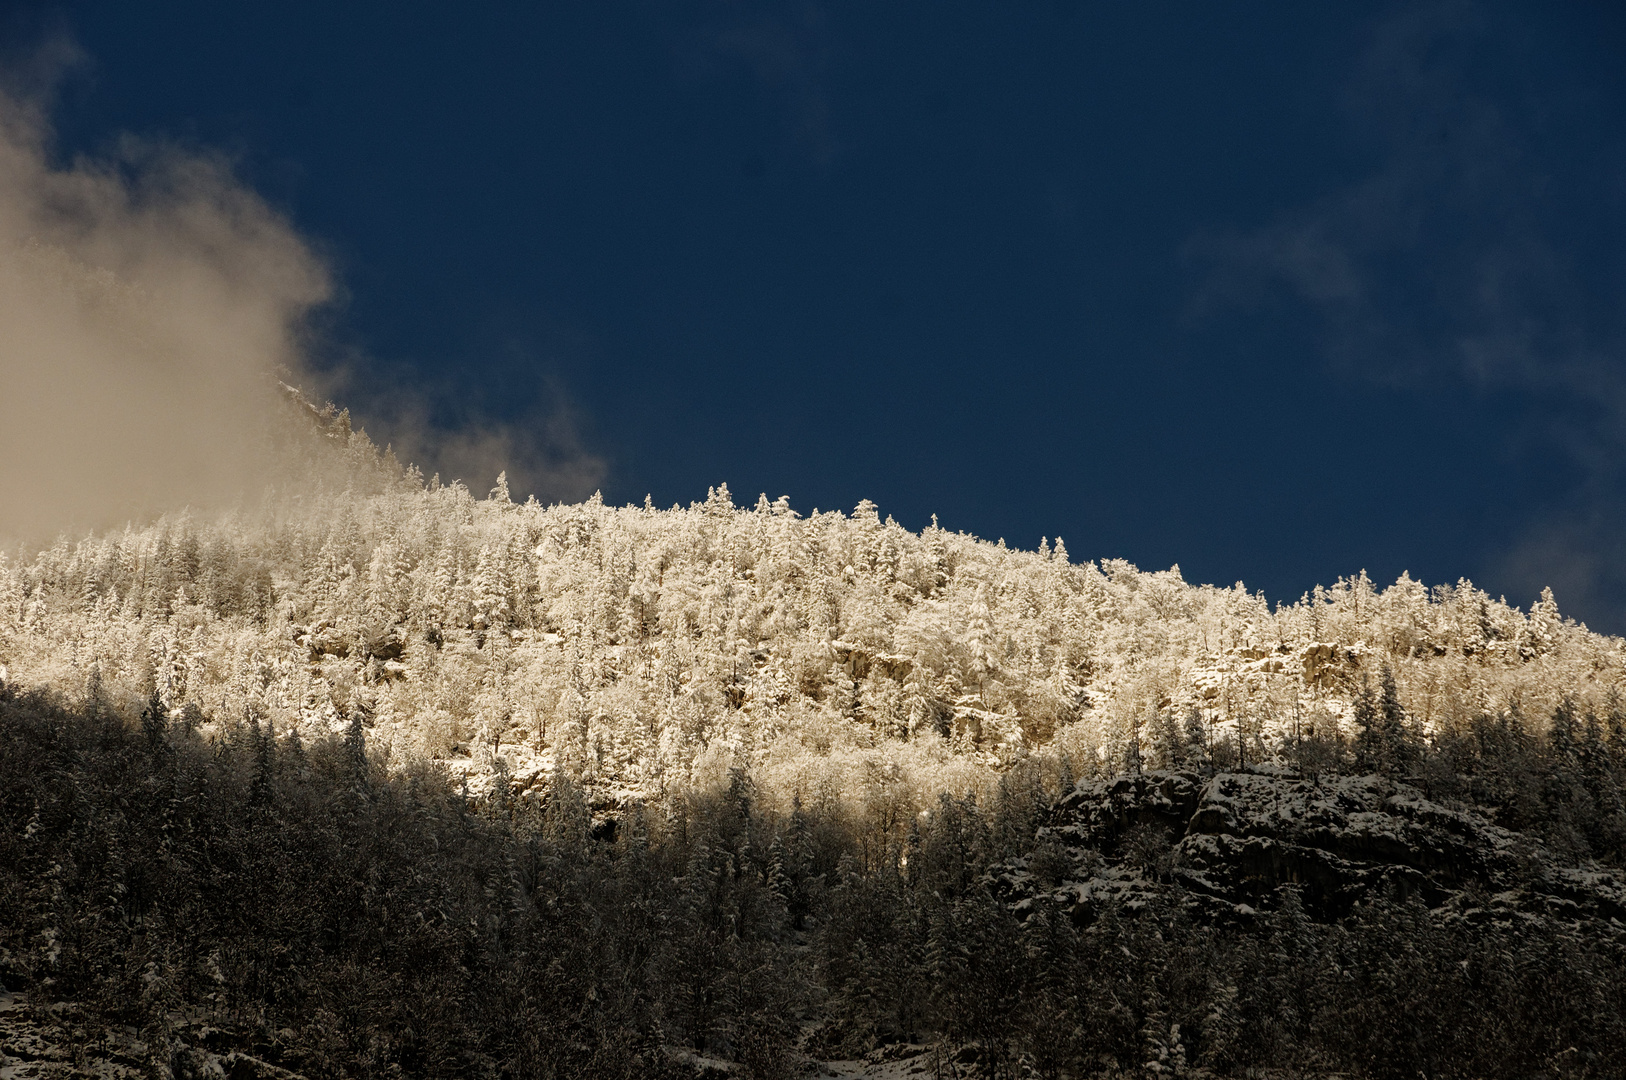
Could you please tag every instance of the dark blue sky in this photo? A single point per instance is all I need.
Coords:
(1275, 291)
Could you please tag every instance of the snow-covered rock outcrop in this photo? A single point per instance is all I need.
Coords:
(1226, 846)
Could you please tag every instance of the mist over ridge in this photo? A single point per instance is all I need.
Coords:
(451, 745)
(362, 717)
(151, 299)
(151, 303)
(637, 648)
(146, 299)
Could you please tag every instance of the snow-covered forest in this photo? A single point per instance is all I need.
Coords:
(375, 777)
(644, 649)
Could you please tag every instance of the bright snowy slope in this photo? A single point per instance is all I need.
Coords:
(649, 650)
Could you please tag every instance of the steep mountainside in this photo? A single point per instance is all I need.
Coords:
(647, 650)
(376, 778)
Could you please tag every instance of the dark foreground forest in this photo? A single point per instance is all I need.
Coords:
(249, 904)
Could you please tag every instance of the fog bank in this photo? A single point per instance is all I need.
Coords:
(145, 300)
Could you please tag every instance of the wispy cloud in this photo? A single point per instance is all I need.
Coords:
(430, 425)
(1463, 255)
(786, 51)
(146, 299)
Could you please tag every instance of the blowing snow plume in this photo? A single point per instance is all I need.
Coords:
(145, 301)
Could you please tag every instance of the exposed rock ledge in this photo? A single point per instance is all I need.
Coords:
(1225, 846)
(42, 1041)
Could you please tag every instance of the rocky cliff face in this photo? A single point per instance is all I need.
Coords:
(51, 1040)
(1225, 847)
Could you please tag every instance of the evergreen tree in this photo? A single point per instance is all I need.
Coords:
(1196, 739)
(1369, 742)
(264, 742)
(1397, 747)
(355, 748)
(155, 724)
(1606, 826)
(1615, 735)
(1171, 747)
(1568, 806)
(95, 693)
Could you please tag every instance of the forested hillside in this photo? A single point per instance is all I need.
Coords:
(644, 650)
(376, 777)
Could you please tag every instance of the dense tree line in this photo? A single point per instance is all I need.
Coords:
(645, 651)
(348, 922)
(302, 902)
(377, 777)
